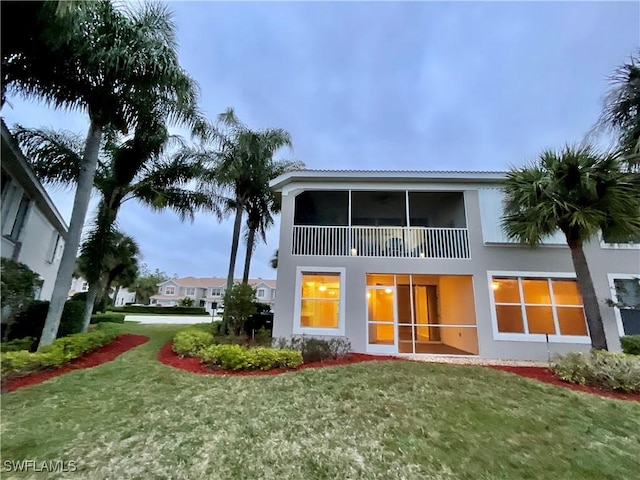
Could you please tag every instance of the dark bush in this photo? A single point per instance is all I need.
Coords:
(71, 321)
(316, 349)
(111, 317)
(161, 310)
(630, 344)
(263, 338)
(258, 321)
(31, 322)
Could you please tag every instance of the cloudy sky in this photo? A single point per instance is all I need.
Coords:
(380, 85)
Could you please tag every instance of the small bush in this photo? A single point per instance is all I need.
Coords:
(631, 344)
(61, 351)
(30, 322)
(71, 320)
(317, 349)
(110, 317)
(230, 340)
(263, 338)
(18, 344)
(611, 371)
(161, 310)
(191, 341)
(236, 357)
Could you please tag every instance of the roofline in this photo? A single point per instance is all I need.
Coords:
(403, 176)
(17, 163)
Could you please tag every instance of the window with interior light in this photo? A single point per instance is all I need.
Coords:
(531, 307)
(319, 308)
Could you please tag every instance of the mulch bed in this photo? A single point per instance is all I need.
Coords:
(193, 365)
(543, 374)
(91, 359)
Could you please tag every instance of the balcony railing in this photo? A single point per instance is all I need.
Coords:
(403, 242)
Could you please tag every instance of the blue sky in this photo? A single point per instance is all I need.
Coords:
(379, 85)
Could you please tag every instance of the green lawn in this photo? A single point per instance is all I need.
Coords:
(136, 418)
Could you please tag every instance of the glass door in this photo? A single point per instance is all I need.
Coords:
(381, 315)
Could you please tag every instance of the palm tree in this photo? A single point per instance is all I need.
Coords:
(113, 63)
(119, 264)
(621, 112)
(243, 166)
(577, 191)
(273, 262)
(147, 282)
(133, 168)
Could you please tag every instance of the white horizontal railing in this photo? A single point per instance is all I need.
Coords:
(404, 242)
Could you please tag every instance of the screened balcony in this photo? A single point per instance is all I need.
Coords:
(400, 224)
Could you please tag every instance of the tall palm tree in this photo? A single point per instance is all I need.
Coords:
(576, 191)
(112, 63)
(273, 262)
(243, 163)
(621, 112)
(132, 168)
(119, 263)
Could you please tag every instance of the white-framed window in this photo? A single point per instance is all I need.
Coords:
(216, 292)
(528, 306)
(21, 215)
(261, 293)
(273, 293)
(634, 244)
(53, 247)
(85, 287)
(319, 305)
(625, 295)
(170, 290)
(191, 291)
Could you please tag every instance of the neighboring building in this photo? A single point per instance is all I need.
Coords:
(208, 290)
(33, 231)
(417, 263)
(123, 295)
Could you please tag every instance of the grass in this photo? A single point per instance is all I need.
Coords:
(136, 418)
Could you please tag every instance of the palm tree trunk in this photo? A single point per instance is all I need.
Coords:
(92, 294)
(251, 238)
(589, 298)
(115, 295)
(78, 215)
(234, 245)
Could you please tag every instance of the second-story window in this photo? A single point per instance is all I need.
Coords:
(216, 292)
(170, 290)
(191, 292)
(261, 293)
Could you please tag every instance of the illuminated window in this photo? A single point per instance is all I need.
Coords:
(319, 309)
(538, 306)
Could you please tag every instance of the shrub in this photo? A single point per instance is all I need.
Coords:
(30, 322)
(631, 344)
(61, 351)
(110, 317)
(18, 286)
(160, 310)
(191, 341)
(186, 302)
(317, 349)
(611, 371)
(239, 305)
(263, 337)
(230, 340)
(26, 343)
(236, 357)
(71, 320)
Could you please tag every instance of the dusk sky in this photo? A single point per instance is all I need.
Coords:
(373, 85)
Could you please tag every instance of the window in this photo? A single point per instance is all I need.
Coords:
(273, 293)
(85, 287)
(261, 293)
(532, 307)
(216, 292)
(320, 305)
(170, 290)
(190, 292)
(53, 247)
(20, 218)
(625, 291)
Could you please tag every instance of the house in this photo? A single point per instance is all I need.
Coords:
(123, 296)
(417, 263)
(33, 231)
(207, 291)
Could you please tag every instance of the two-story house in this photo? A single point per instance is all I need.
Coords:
(33, 231)
(417, 263)
(208, 291)
(121, 296)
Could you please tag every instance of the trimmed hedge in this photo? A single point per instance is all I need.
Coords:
(26, 343)
(160, 310)
(612, 371)
(191, 341)
(109, 317)
(235, 357)
(630, 344)
(30, 322)
(61, 351)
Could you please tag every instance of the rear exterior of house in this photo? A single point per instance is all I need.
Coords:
(208, 291)
(33, 231)
(416, 263)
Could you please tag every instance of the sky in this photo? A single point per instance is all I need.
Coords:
(377, 85)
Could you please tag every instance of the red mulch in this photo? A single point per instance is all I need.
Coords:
(543, 374)
(193, 365)
(92, 359)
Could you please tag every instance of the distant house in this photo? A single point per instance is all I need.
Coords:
(33, 231)
(207, 291)
(123, 295)
(417, 263)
